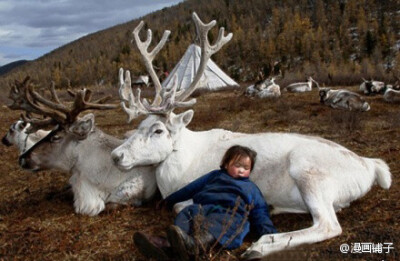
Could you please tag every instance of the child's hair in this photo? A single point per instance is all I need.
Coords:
(237, 152)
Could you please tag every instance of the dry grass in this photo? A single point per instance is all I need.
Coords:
(38, 224)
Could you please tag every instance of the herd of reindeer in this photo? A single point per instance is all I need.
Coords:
(335, 98)
(162, 153)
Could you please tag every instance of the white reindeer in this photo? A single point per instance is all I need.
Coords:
(368, 87)
(301, 86)
(296, 173)
(343, 99)
(265, 89)
(392, 95)
(77, 147)
(18, 135)
(21, 132)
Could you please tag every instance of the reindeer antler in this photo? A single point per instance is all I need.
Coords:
(207, 50)
(166, 100)
(18, 93)
(148, 57)
(135, 106)
(27, 99)
(36, 123)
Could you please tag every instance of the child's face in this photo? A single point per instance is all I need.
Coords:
(239, 168)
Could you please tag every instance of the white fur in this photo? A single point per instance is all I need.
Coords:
(300, 86)
(296, 173)
(391, 95)
(95, 180)
(343, 99)
(17, 135)
(266, 89)
(272, 90)
(376, 86)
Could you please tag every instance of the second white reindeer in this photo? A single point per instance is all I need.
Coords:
(296, 173)
(78, 147)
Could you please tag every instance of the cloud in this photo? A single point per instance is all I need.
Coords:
(31, 28)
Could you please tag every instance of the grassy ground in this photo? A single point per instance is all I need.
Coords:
(36, 223)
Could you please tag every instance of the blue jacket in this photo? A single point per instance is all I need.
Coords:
(216, 195)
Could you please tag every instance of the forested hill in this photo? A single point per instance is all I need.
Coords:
(345, 39)
(8, 67)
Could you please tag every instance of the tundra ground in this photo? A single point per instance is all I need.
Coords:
(39, 223)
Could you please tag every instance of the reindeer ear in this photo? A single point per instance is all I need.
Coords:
(22, 125)
(82, 127)
(176, 122)
(187, 117)
(184, 118)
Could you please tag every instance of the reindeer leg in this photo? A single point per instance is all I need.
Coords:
(87, 198)
(324, 217)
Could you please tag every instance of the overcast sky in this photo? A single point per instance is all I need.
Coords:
(32, 28)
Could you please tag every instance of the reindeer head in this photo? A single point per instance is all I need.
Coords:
(323, 94)
(158, 135)
(63, 118)
(55, 149)
(15, 134)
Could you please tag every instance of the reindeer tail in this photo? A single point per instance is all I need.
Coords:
(383, 175)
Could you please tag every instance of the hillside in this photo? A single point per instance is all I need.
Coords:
(336, 41)
(8, 67)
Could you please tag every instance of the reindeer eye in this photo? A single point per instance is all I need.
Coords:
(55, 138)
(158, 131)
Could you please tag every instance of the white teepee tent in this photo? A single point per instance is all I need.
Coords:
(213, 78)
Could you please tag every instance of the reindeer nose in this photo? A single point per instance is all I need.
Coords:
(5, 141)
(117, 158)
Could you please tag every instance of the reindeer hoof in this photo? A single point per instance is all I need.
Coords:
(251, 256)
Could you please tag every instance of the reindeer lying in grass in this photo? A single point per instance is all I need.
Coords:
(369, 87)
(21, 132)
(264, 89)
(392, 95)
(18, 135)
(78, 147)
(301, 86)
(296, 173)
(343, 99)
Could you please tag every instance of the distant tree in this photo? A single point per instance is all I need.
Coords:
(319, 14)
(369, 43)
(396, 68)
(56, 73)
(340, 37)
